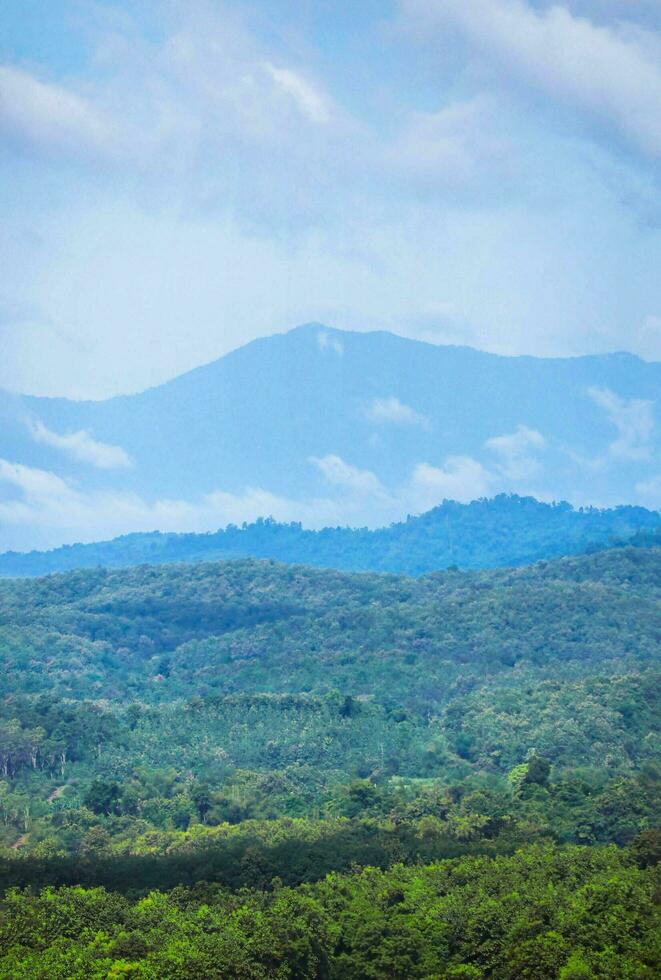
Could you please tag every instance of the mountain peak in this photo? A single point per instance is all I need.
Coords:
(328, 427)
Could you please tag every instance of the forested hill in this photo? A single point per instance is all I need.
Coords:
(251, 735)
(573, 641)
(507, 530)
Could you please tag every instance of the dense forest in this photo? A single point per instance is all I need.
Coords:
(250, 769)
(506, 530)
(574, 913)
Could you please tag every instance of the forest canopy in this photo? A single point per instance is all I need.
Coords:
(253, 769)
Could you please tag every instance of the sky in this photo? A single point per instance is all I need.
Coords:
(178, 178)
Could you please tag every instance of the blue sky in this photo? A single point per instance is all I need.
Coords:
(180, 177)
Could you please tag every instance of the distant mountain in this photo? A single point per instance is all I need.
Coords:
(504, 531)
(328, 427)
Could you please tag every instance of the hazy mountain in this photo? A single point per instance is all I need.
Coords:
(504, 531)
(328, 427)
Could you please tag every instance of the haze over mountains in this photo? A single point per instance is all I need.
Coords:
(328, 427)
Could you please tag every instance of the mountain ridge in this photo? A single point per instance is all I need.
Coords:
(339, 332)
(328, 427)
(520, 530)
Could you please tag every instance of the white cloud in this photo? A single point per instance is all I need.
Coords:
(514, 452)
(82, 446)
(44, 116)
(43, 510)
(306, 97)
(342, 474)
(327, 341)
(228, 181)
(49, 511)
(392, 410)
(451, 145)
(634, 420)
(460, 478)
(649, 491)
(35, 484)
(648, 341)
(603, 70)
(191, 108)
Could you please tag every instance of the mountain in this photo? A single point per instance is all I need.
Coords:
(504, 531)
(327, 427)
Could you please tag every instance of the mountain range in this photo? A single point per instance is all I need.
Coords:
(328, 427)
(507, 530)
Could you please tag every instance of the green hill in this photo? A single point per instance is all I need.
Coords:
(275, 685)
(232, 733)
(506, 530)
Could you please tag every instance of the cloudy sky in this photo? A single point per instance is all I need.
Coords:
(180, 177)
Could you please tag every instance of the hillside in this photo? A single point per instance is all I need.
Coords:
(505, 531)
(278, 684)
(322, 763)
(328, 428)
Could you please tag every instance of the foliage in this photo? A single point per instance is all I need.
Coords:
(164, 698)
(277, 771)
(540, 914)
